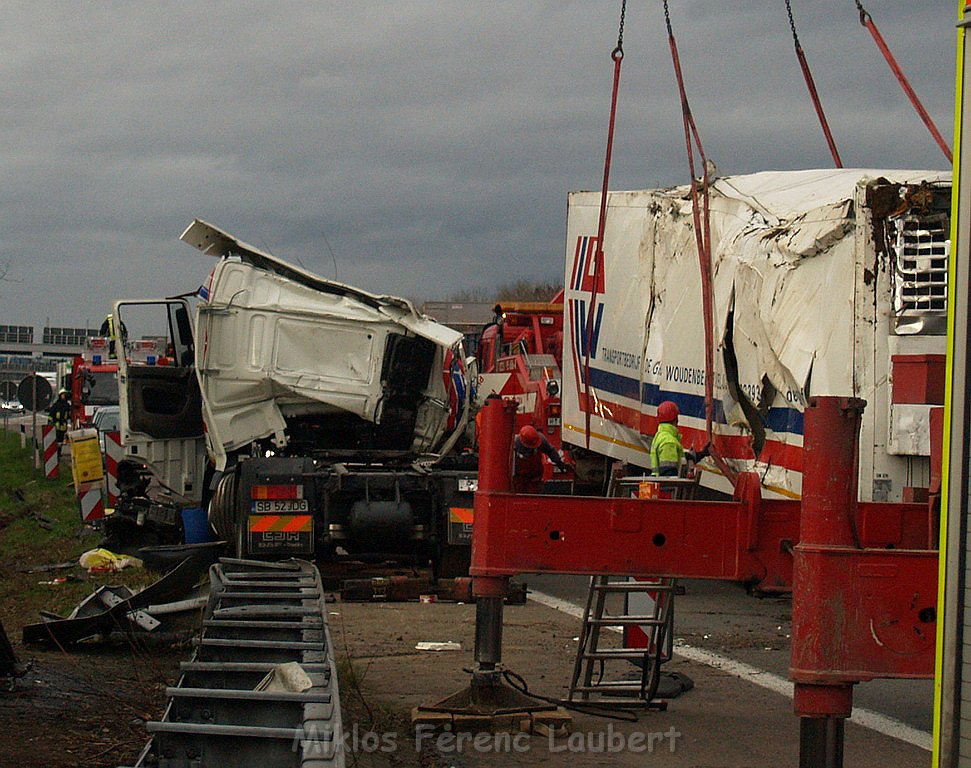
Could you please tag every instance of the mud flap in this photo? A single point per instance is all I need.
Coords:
(277, 502)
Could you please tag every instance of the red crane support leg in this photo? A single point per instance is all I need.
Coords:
(860, 610)
(495, 476)
(487, 697)
(830, 448)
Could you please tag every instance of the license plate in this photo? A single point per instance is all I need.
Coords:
(280, 505)
(553, 421)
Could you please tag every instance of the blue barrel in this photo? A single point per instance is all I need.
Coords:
(196, 525)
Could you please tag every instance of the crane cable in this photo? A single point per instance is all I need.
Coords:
(702, 230)
(617, 55)
(867, 21)
(811, 85)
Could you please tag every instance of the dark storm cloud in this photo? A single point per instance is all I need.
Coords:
(432, 144)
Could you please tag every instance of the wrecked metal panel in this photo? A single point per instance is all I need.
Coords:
(785, 248)
(910, 429)
(173, 585)
(277, 343)
(215, 242)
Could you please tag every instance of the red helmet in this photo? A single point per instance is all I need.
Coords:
(529, 437)
(667, 412)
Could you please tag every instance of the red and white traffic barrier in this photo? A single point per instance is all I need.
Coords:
(49, 441)
(91, 502)
(113, 455)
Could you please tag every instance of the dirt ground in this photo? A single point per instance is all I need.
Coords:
(84, 708)
(721, 723)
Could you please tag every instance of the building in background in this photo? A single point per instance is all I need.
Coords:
(21, 352)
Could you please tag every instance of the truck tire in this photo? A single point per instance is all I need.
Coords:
(223, 516)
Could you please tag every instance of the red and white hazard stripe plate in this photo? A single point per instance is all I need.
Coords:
(280, 534)
(281, 523)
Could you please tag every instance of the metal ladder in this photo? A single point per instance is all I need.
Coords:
(589, 682)
(657, 624)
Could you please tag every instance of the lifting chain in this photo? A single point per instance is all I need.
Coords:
(618, 52)
(792, 24)
(598, 258)
(865, 17)
(813, 93)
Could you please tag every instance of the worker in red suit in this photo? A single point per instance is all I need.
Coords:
(529, 448)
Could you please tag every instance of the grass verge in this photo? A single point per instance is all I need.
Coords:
(40, 524)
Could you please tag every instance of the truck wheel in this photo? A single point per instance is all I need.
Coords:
(222, 507)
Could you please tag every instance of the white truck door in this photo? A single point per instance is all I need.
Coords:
(158, 393)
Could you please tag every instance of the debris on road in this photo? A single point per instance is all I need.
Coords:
(448, 645)
(48, 568)
(289, 676)
(116, 609)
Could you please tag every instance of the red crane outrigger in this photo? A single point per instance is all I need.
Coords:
(863, 574)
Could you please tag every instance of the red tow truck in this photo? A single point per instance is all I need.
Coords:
(519, 356)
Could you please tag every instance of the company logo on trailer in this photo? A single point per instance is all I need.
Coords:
(586, 278)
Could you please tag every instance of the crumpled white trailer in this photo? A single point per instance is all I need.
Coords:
(826, 282)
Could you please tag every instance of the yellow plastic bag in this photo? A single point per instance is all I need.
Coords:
(104, 561)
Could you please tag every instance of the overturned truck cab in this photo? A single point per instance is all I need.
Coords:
(307, 416)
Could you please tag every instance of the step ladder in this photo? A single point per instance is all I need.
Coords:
(590, 682)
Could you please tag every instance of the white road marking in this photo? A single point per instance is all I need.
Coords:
(866, 718)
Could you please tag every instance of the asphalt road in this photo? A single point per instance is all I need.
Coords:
(723, 619)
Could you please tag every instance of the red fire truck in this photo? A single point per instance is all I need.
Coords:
(94, 380)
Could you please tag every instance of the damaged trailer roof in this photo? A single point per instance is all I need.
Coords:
(785, 195)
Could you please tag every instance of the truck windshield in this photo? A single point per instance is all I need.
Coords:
(100, 388)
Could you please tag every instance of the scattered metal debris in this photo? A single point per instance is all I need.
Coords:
(115, 609)
(50, 567)
(164, 558)
(445, 645)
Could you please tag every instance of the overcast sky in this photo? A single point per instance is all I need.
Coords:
(432, 144)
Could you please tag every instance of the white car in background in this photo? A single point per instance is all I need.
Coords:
(11, 406)
(106, 419)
